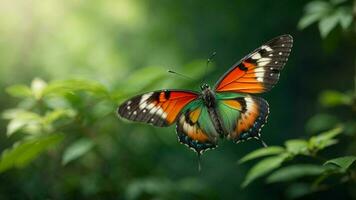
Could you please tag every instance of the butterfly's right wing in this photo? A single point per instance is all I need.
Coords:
(195, 128)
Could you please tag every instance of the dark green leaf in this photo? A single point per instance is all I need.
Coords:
(295, 171)
(343, 162)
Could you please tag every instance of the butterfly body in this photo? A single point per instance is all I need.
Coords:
(228, 110)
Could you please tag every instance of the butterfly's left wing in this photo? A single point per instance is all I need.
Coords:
(159, 108)
(259, 71)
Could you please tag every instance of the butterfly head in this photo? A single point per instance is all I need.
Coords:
(204, 87)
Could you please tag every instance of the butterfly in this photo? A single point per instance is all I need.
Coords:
(228, 110)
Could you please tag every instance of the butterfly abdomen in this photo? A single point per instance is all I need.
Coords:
(209, 100)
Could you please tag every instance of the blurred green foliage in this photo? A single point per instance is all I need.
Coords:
(60, 137)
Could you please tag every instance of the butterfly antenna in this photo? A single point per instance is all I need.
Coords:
(262, 142)
(199, 161)
(179, 74)
(207, 65)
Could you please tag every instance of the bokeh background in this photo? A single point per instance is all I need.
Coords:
(95, 54)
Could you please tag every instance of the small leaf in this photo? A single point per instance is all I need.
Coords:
(25, 151)
(297, 146)
(76, 150)
(308, 19)
(332, 98)
(61, 87)
(345, 16)
(327, 24)
(271, 150)
(325, 139)
(321, 122)
(21, 120)
(263, 167)
(318, 7)
(37, 87)
(19, 91)
(295, 171)
(343, 162)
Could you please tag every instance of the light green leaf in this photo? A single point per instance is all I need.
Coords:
(271, 150)
(308, 19)
(318, 7)
(76, 150)
(294, 172)
(21, 120)
(25, 151)
(37, 87)
(61, 87)
(327, 24)
(325, 139)
(345, 16)
(297, 146)
(343, 162)
(331, 98)
(19, 91)
(263, 167)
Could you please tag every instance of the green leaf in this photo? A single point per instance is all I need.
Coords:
(37, 87)
(271, 150)
(308, 19)
(321, 122)
(332, 98)
(19, 91)
(263, 167)
(25, 151)
(76, 150)
(54, 115)
(327, 24)
(325, 139)
(297, 146)
(21, 120)
(343, 162)
(61, 87)
(318, 7)
(149, 77)
(294, 172)
(345, 16)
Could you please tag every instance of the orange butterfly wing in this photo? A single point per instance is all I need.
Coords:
(259, 71)
(159, 108)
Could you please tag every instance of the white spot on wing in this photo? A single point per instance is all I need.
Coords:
(256, 56)
(266, 47)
